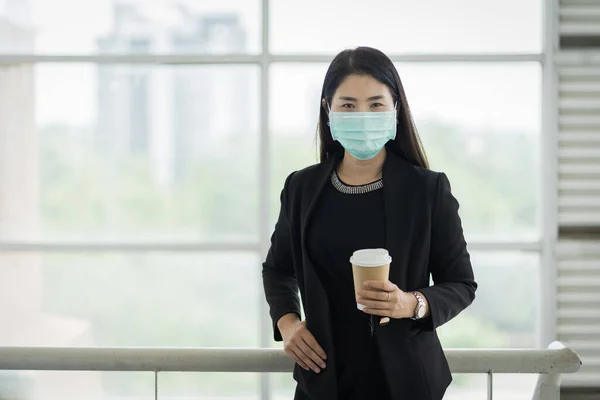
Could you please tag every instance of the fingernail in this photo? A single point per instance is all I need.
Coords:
(323, 365)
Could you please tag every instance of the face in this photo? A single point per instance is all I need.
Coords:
(361, 93)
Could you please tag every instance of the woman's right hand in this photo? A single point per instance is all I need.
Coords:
(301, 345)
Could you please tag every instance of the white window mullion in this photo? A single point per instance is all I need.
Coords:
(264, 187)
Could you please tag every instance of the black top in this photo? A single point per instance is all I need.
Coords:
(343, 223)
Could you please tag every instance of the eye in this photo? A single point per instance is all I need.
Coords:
(348, 105)
(376, 105)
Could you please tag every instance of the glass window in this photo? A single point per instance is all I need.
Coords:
(209, 385)
(120, 299)
(171, 154)
(506, 309)
(506, 386)
(130, 26)
(134, 152)
(480, 123)
(405, 26)
(293, 115)
(74, 385)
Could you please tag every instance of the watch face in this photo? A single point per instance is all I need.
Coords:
(420, 312)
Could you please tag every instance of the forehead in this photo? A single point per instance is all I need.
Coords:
(362, 86)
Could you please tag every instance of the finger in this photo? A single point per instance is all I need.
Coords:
(306, 358)
(312, 342)
(297, 359)
(313, 359)
(379, 305)
(310, 351)
(380, 285)
(374, 295)
(373, 311)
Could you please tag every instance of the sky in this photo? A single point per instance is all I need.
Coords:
(502, 95)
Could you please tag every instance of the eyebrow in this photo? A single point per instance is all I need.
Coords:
(379, 97)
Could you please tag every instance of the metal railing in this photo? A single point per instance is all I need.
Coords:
(549, 363)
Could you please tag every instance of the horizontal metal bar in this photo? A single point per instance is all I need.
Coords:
(207, 59)
(67, 247)
(164, 59)
(417, 58)
(507, 245)
(554, 360)
(98, 246)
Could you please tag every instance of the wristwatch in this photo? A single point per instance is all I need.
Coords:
(421, 309)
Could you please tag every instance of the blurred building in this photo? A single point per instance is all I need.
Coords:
(171, 114)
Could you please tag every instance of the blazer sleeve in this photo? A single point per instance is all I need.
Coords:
(279, 277)
(449, 261)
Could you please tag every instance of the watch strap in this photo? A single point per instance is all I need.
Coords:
(420, 305)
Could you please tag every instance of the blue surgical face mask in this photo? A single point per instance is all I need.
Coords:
(363, 134)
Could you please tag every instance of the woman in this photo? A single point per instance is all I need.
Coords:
(372, 189)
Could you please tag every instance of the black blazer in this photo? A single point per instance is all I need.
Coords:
(424, 237)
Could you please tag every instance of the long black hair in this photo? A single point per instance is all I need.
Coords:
(372, 62)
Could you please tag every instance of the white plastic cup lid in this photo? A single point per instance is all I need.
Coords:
(371, 257)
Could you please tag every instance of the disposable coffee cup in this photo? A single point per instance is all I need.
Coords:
(369, 265)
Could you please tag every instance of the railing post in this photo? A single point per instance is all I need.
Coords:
(490, 385)
(155, 384)
(547, 387)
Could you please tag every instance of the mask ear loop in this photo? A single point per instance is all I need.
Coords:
(328, 112)
(396, 112)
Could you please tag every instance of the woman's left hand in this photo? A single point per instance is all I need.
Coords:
(385, 299)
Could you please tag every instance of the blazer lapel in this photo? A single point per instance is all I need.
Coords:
(322, 178)
(398, 200)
